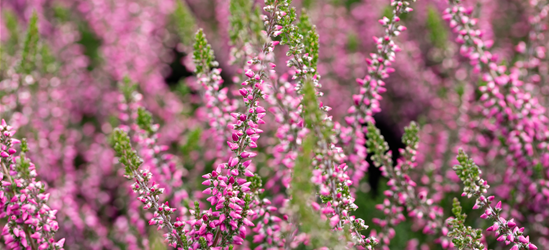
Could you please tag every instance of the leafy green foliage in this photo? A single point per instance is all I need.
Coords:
(192, 142)
(469, 173)
(144, 120)
(307, 3)
(23, 164)
(302, 41)
(124, 151)
(157, 241)
(240, 12)
(312, 114)
(181, 88)
(438, 35)
(378, 147)
(61, 14)
(30, 46)
(302, 190)
(463, 237)
(203, 54)
(293, 38)
(410, 136)
(245, 22)
(184, 22)
(24, 145)
(310, 39)
(47, 60)
(91, 43)
(127, 87)
(12, 26)
(353, 42)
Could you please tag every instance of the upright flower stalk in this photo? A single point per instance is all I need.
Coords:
(463, 237)
(184, 232)
(403, 193)
(506, 230)
(286, 104)
(367, 101)
(330, 175)
(137, 122)
(231, 184)
(31, 222)
(149, 191)
(216, 100)
(285, 98)
(330, 172)
(144, 133)
(318, 230)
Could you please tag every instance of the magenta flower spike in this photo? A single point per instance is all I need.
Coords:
(218, 104)
(367, 100)
(235, 198)
(149, 192)
(31, 223)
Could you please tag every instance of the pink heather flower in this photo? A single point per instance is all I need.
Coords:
(22, 200)
(334, 220)
(249, 73)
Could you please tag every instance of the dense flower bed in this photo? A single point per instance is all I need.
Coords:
(275, 124)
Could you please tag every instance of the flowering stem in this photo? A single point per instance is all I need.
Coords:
(332, 178)
(372, 84)
(29, 219)
(366, 103)
(475, 187)
(7, 173)
(28, 233)
(463, 236)
(155, 202)
(232, 193)
(216, 238)
(149, 195)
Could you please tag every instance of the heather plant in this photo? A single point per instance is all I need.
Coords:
(238, 124)
(30, 222)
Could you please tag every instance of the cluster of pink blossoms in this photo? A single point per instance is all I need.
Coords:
(366, 102)
(229, 184)
(31, 222)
